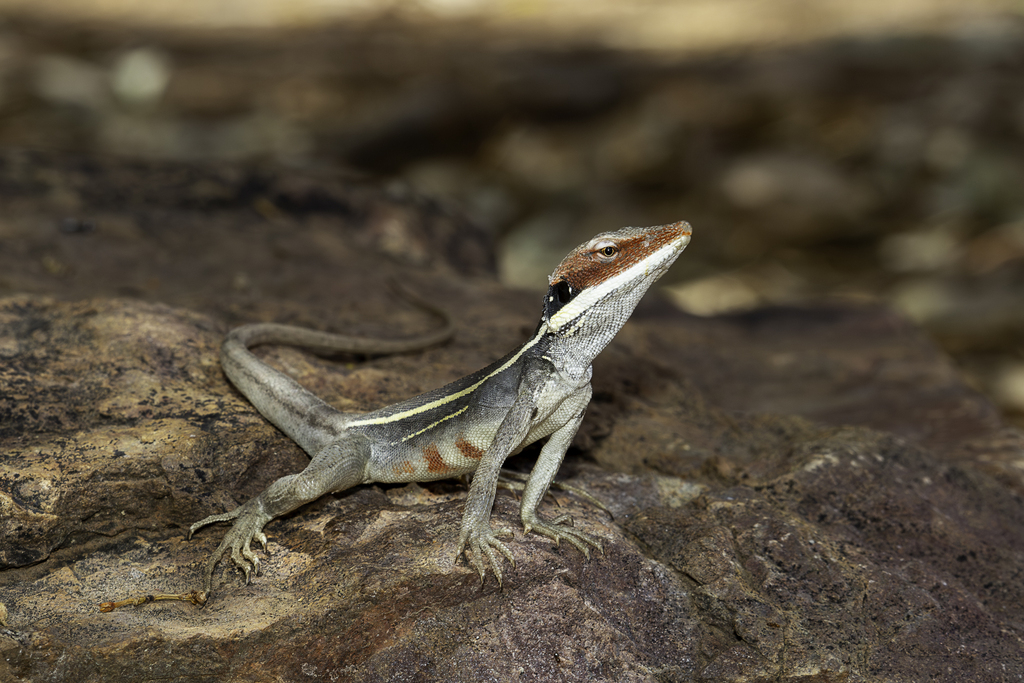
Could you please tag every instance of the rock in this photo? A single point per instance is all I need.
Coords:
(79, 227)
(795, 493)
(810, 192)
(140, 76)
(64, 80)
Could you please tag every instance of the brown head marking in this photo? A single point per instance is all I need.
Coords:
(606, 256)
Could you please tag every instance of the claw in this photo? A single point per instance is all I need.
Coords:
(495, 565)
(478, 544)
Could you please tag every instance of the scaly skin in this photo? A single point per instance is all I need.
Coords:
(541, 389)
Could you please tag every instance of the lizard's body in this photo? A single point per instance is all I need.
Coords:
(539, 390)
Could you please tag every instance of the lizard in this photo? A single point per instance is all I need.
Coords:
(540, 389)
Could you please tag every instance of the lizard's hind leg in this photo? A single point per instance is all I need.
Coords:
(337, 467)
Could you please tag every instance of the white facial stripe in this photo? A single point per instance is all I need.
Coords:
(396, 417)
(588, 297)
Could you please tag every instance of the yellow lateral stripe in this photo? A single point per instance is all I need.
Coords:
(450, 397)
(458, 412)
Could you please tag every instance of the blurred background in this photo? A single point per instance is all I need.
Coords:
(824, 150)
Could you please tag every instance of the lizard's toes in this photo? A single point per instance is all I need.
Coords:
(484, 545)
(246, 560)
(561, 529)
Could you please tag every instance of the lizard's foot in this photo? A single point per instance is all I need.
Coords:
(249, 525)
(561, 529)
(481, 542)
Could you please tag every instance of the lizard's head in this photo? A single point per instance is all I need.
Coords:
(600, 283)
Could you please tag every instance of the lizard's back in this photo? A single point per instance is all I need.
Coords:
(432, 443)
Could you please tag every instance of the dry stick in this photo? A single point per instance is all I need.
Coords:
(197, 598)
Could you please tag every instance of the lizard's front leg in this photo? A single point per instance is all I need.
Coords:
(477, 537)
(543, 473)
(336, 467)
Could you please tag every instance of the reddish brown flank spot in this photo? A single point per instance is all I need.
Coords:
(468, 450)
(404, 468)
(433, 457)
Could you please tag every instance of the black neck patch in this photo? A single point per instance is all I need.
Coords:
(559, 294)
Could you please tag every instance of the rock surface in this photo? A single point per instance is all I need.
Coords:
(796, 494)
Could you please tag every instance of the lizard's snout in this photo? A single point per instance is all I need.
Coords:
(682, 231)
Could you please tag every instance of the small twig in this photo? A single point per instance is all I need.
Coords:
(197, 598)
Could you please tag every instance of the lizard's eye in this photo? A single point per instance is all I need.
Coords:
(606, 251)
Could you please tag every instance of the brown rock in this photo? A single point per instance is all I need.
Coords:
(797, 494)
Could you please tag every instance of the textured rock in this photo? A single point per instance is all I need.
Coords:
(796, 494)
